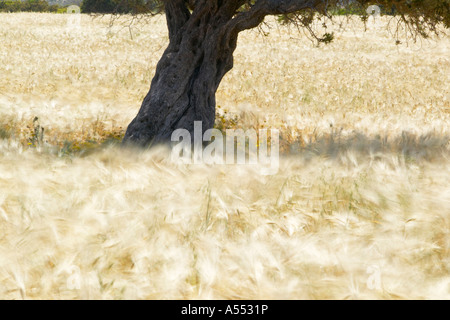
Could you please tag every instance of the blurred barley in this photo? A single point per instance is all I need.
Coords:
(359, 208)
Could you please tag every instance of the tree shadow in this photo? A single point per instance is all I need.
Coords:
(424, 147)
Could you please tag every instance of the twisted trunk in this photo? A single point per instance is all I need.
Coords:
(183, 89)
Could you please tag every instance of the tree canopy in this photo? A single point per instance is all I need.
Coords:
(420, 16)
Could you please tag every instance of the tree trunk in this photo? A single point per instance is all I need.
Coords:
(183, 89)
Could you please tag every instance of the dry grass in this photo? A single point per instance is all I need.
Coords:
(362, 193)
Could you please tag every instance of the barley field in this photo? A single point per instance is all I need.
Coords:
(359, 209)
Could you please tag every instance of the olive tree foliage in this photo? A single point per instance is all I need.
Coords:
(203, 36)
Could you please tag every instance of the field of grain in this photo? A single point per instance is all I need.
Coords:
(359, 209)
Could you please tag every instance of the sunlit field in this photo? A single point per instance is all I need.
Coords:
(359, 209)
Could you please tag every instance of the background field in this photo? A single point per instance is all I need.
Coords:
(360, 207)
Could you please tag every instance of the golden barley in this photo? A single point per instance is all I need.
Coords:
(360, 207)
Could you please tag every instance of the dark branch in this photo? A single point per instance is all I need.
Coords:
(177, 14)
(255, 15)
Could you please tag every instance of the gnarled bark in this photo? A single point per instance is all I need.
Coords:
(183, 90)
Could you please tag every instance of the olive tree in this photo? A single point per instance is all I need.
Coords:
(203, 35)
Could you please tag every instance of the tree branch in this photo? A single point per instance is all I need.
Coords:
(177, 14)
(255, 15)
(274, 7)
